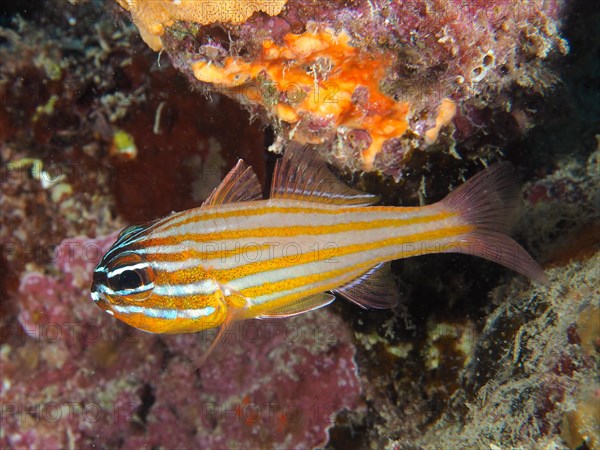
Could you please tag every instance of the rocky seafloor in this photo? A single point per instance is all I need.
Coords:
(98, 132)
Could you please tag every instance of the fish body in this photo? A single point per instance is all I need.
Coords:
(239, 256)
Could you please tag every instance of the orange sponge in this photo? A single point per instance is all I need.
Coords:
(315, 77)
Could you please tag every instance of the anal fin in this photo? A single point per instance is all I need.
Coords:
(373, 289)
(303, 305)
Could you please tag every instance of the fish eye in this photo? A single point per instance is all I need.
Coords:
(126, 280)
(131, 276)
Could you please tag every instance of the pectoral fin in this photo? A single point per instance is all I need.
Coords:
(234, 313)
(303, 305)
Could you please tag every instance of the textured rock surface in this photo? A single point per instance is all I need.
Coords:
(375, 81)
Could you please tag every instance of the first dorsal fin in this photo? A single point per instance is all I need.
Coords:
(240, 185)
(372, 289)
(302, 175)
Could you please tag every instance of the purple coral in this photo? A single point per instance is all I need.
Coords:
(77, 377)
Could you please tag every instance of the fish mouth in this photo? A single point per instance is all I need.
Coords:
(98, 280)
(100, 300)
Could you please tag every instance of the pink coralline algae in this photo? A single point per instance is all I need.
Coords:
(73, 376)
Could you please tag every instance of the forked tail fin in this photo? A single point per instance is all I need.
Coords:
(490, 202)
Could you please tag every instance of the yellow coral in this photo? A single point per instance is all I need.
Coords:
(314, 75)
(152, 16)
(123, 146)
(581, 426)
(446, 113)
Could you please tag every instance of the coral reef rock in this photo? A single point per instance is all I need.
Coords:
(370, 80)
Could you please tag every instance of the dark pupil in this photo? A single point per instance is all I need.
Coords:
(128, 279)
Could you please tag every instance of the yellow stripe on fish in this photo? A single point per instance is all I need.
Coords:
(239, 256)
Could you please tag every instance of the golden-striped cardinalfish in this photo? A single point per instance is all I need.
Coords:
(239, 256)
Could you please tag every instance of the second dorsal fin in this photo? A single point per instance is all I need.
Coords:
(302, 175)
(240, 185)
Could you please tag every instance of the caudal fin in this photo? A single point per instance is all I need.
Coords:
(490, 202)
